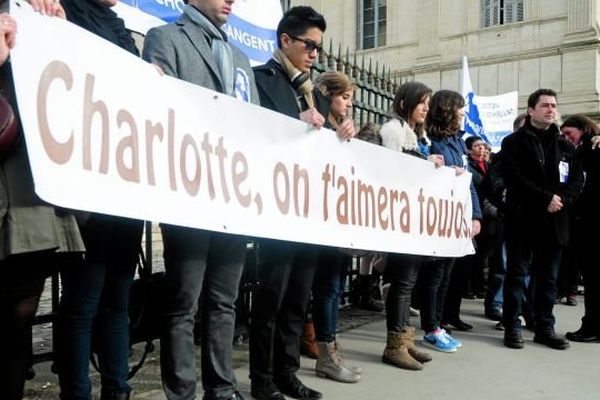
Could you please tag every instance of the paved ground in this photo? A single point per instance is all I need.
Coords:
(482, 369)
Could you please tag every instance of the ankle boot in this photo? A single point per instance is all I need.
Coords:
(340, 356)
(409, 338)
(396, 353)
(329, 366)
(308, 344)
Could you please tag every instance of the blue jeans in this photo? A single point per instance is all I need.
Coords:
(327, 292)
(494, 297)
(97, 292)
(434, 276)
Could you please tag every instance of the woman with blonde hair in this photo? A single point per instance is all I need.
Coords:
(327, 287)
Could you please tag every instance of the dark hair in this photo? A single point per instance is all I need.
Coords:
(442, 120)
(297, 20)
(407, 98)
(534, 97)
(369, 133)
(519, 121)
(583, 123)
(470, 141)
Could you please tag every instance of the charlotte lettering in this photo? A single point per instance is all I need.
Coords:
(225, 175)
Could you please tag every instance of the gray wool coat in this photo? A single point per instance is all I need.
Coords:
(182, 50)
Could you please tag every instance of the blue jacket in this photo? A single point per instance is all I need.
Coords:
(455, 153)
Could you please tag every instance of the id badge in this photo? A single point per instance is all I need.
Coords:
(563, 171)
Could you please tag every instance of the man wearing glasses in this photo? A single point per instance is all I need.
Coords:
(287, 269)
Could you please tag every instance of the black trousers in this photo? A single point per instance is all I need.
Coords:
(279, 305)
(401, 272)
(585, 247)
(539, 257)
(199, 262)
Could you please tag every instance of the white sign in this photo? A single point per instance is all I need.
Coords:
(489, 117)
(107, 133)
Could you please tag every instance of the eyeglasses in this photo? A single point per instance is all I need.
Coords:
(309, 45)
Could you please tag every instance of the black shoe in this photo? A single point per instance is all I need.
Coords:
(369, 304)
(469, 296)
(583, 336)
(513, 339)
(111, 395)
(571, 301)
(291, 386)
(234, 396)
(265, 391)
(457, 324)
(494, 314)
(552, 340)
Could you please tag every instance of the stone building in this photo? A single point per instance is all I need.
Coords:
(511, 44)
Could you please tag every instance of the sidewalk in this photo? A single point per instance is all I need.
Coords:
(482, 369)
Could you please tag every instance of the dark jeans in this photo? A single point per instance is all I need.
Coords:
(208, 263)
(457, 286)
(434, 277)
(96, 291)
(401, 272)
(541, 258)
(327, 292)
(286, 274)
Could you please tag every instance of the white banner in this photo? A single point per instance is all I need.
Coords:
(106, 133)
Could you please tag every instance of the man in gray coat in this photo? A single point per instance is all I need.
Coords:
(195, 49)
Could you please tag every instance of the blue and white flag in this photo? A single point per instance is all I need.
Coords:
(489, 117)
(252, 26)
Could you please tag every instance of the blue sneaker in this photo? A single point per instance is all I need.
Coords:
(439, 340)
(452, 339)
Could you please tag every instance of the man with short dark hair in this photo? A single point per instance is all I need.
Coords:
(542, 179)
(286, 269)
(195, 49)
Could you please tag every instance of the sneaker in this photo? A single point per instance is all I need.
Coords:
(457, 343)
(438, 340)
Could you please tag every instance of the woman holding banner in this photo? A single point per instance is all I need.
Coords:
(405, 132)
(328, 283)
(97, 292)
(35, 237)
(444, 118)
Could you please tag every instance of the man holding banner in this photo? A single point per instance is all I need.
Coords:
(195, 49)
(287, 268)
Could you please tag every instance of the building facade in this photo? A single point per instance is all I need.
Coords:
(510, 44)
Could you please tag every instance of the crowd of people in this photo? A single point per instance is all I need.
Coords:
(533, 199)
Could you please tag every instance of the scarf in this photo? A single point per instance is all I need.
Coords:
(221, 51)
(100, 20)
(300, 81)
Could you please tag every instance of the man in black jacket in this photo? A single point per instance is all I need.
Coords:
(542, 179)
(286, 269)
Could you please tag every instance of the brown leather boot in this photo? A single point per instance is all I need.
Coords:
(396, 352)
(308, 343)
(409, 339)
